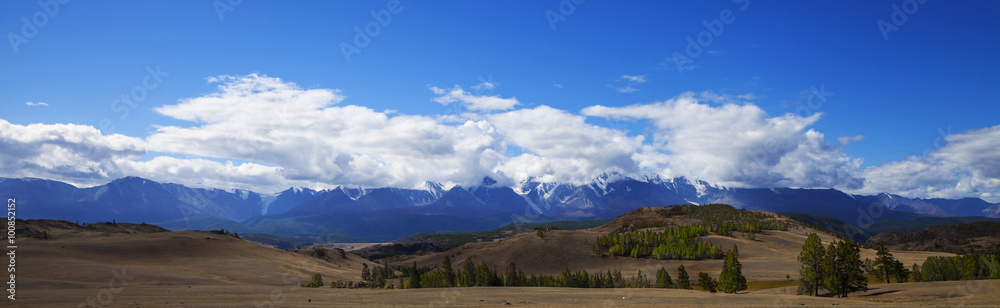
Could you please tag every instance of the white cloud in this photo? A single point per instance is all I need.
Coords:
(557, 85)
(277, 123)
(626, 89)
(630, 81)
(635, 78)
(966, 165)
(844, 141)
(736, 145)
(473, 102)
(562, 146)
(485, 85)
(261, 133)
(37, 104)
(70, 152)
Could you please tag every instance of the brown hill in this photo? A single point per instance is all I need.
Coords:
(770, 257)
(81, 257)
(982, 237)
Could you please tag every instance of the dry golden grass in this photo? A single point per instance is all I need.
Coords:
(935, 294)
(770, 257)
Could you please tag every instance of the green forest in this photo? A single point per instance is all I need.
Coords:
(680, 243)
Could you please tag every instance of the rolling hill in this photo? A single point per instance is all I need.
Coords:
(769, 258)
(87, 256)
(979, 237)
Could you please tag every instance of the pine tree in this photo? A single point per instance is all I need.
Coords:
(915, 273)
(706, 282)
(884, 266)
(511, 275)
(366, 274)
(812, 256)
(414, 281)
(682, 278)
(732, 280)
(468, 273)
(663, 279)
(449, 273)
(843, 269)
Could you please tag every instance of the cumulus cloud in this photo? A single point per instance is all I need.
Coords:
(474, 102)
(42, 104)
(966, 165)
(562, 147)
(736, 144)
(75, 153)
(277, 123)
(265, 134)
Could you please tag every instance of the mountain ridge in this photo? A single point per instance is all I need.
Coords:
(136, 199)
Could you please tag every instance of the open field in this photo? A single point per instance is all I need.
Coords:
(933, 294)
(204, 269)
(769, 258)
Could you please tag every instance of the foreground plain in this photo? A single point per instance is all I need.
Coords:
(984, 293)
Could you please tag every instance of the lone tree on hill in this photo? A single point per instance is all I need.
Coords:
(812, 256)
(885, 266)
(732, 280)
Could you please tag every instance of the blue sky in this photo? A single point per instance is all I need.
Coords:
(898, 99)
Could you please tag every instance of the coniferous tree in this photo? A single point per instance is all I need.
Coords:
(843, 269)
(468, 273)
(414, 281)
(682, 278)
(915, 273)
(449, 273)
(366, 274)
(732, 280)
(706, 282)
(884, 265)
(811, 257)
(663, 279)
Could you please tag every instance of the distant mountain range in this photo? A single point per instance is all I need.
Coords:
(389, 213)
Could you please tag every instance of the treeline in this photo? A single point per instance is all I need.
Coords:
(748, 228)
(679, 242)
(965, 267)
(469, 274)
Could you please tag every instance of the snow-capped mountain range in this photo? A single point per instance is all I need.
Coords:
(134, 199)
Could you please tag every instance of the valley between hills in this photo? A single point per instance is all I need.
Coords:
(140, 265)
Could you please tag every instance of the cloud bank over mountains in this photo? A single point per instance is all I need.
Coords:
(266, 134)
